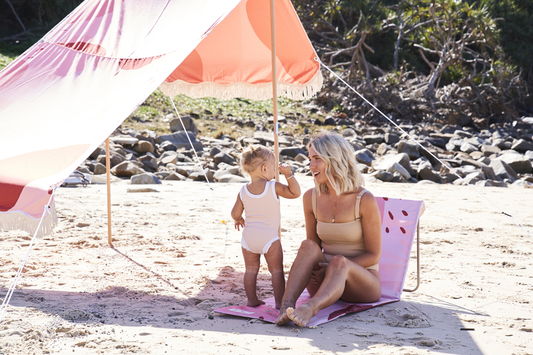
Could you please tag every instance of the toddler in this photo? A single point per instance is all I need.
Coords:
(260, 200)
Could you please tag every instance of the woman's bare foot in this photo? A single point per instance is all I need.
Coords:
(301, 315)
(254, 303)
(283, 318)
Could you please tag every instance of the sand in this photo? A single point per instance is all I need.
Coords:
(176, 257)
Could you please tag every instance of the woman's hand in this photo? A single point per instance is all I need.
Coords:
(239, 223)
(318, 273)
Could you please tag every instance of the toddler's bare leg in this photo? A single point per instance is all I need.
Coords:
(252, 262)
(274, 258)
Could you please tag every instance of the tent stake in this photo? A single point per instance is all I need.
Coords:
(274, 82)
(108, 175)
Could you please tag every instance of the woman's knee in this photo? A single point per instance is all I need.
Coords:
(338, 262)
(310, 246)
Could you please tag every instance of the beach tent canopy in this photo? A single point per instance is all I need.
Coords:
(66, 94)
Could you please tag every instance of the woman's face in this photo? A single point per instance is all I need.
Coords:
(317, 166)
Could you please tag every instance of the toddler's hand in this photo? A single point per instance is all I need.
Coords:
(285, 169)
(239, 224)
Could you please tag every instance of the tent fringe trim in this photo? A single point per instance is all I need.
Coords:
(244, 90)
(20, 221)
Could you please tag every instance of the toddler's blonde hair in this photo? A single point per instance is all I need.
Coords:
(341, 166)
(253, 156)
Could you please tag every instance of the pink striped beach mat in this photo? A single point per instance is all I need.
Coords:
(399, 220)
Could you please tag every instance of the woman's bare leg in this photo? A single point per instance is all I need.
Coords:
(252, 262)
(308, 255)
(274, 259)
(344, 280)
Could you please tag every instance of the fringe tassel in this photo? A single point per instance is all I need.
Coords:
(20, 221)
(244, 90)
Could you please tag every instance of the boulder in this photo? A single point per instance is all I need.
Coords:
(382, 175)
(176, 126)
(126, 169)
(425, 172)
(410, 148)
(223, 157)
(388, 160)
(521, 145)
(503, 170)
(229, 178)
(517, 162)
(143, 147)
(179, 139)
(291, 151)
(144, 179)
(124, 140)
(364, 156)
(114, 159)
(148, 162)
(175, 176)
(374, 138)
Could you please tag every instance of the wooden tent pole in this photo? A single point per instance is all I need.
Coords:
(274, 83)
(108, 175)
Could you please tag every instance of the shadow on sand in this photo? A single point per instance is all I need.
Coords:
(401, 323)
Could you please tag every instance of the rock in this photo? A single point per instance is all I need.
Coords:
(214, 151)
(200, 175)
(472, 178)
(467, 147)
(383, 175)
(144, 179)
(126, 169)
(292, 152)
(373, 138)
(364, 156)
(114, 159)
(179, 139)
(128, 140)
(454, 144)
(302, 158)
(521, 145)
(168, 146)
(228, 178)
(175, 176)
(143, 147)
(410, 148)
(148, 162)
(99, 169)
(517, 162)
(176, 126)
(223, 157)
(503, 170)
(391, 138)
(397, 168)
(169, 157)
(489, 150)
(330, 121)
(387, 161)
(425, 172)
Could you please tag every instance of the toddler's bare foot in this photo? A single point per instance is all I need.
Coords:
(254, 303)
(301, 315)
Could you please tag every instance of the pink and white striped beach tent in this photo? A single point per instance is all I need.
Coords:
(66, 94)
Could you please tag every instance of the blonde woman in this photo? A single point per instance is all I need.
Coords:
(339, 259)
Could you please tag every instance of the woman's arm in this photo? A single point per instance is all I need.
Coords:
(371, 221)
(310, 220)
